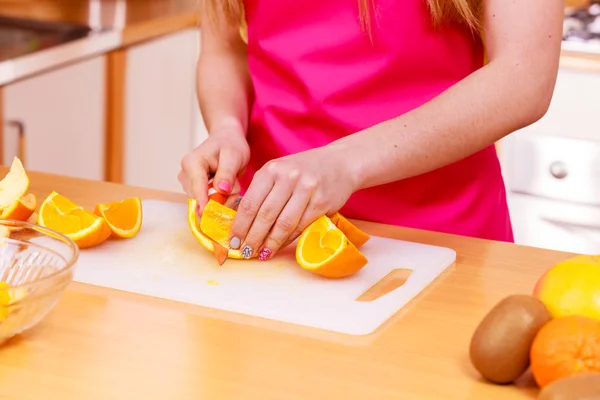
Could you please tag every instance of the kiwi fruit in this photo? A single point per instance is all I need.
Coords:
(500, 345)
(584, 386)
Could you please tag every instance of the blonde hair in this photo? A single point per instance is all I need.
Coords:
(469, 12)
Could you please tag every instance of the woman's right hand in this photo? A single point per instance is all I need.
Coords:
(224, 154)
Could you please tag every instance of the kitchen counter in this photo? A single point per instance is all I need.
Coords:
(105, 344)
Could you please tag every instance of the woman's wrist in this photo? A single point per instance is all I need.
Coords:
(228, 126)
(350, 160)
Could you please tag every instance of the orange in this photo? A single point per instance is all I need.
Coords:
(14, 185)
(324, 249)
(21, 209)
(354, 235)
(123, 217)
(572, 287)
(204, 239)
(83, 227)
(216, 222)
(564, 347)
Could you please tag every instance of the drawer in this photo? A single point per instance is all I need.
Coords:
(555, 167)
(555, 225)
(573, 111)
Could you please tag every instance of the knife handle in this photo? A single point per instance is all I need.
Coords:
(213, 194)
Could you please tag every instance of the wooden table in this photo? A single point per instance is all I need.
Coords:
(105, 344)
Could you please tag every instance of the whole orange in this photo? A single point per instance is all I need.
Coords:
(572, 287)
(564, 347)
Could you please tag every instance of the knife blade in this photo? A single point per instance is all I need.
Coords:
(219, 251)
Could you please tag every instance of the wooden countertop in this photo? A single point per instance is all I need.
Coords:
(105, 344)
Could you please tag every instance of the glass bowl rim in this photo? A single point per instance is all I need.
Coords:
(47, 232)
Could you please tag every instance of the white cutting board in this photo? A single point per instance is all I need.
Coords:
(165, 260)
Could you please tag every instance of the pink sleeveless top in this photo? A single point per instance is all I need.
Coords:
(317, 78)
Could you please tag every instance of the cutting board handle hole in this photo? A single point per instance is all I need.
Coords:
(392, 281)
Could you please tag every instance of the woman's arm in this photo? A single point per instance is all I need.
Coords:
(224, 87)
(224, 94)
(512, 91)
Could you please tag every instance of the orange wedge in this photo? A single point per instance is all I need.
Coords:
(354, 235)
(123, 217)
(64, 216)
(14, 185)
(223, 217)
(216, 222)
(324, 249)
(21, 209)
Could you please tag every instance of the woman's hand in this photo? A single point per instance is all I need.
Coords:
(225, 154)
(288, 194)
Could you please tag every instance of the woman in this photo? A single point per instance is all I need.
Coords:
(382, 109)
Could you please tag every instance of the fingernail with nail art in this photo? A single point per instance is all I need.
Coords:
(247, 252)
(264, 254)
(237, 201)
(234, 243)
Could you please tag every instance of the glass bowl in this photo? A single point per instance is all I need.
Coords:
(36, 265)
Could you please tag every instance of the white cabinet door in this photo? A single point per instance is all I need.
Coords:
(161, 113)
(62, 115)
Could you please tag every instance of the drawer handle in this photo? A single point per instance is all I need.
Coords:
(574, 225)
(20, 127)
(558, 170)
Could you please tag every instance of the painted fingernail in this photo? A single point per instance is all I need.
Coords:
(234, 243)
(247, 251)
(264, 254)
(224, 186)
(198, 210)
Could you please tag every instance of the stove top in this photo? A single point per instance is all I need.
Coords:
(581, 28)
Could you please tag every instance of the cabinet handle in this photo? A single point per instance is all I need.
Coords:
(20, 127)
(573, 225)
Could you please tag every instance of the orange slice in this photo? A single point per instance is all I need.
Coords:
(325, 250)
(14, 185)
(21, 209)
(223, 216)
(123, 217)
(64, 216)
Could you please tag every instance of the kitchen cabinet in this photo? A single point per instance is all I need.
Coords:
(55, 121)
(552, 170)
(162, 120)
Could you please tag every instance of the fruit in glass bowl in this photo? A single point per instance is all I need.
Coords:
(36, 265)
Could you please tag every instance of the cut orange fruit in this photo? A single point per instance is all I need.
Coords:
(14, 185)
(123, 217)
(64, 216)
(221, 231)
(354, 235)
(325, 250)
(21, 209)
(216, 222)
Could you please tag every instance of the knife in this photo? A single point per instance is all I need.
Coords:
(219, 251)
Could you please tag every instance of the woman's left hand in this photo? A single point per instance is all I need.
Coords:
(288, 194)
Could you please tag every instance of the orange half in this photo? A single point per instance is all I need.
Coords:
(203, 238)
(325, 250)
(64, 216)
(123, 217)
